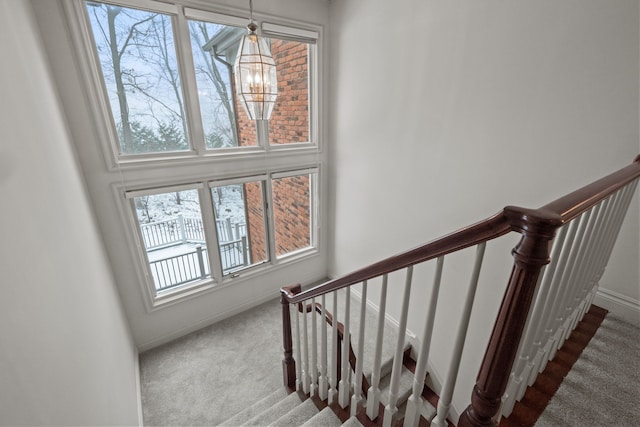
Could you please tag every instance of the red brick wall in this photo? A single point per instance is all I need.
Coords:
(255, 221)
(291, 213)
(290, 118)
(289, 123)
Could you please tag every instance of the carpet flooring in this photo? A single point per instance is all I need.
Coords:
(603, 387)
(182, 381)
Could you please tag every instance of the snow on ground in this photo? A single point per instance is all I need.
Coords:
(162, 207)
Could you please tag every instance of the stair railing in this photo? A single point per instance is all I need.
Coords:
(542, 303)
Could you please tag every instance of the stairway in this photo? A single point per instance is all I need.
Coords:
(297, 409)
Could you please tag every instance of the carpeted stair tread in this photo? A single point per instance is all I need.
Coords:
(274, 412)
(352, 422)
(324, 418)
(390, 333)
(256, 408)
(404, 387)
(298, 415)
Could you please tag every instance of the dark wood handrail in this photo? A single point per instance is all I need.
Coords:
(537, 228)
(511, 218)
(576, 202)
(482, 231)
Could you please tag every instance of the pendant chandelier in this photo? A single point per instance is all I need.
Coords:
(255, 74)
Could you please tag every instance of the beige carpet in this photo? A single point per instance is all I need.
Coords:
(194, 380)
(603, 388)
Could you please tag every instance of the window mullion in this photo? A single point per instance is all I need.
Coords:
(262, 134)
(190, 90)
(270, 222)
(211, 234)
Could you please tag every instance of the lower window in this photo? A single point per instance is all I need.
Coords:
(215, 230)
(240, 225)
(173, 236)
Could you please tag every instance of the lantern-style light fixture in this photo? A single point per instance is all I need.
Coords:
(255, 74)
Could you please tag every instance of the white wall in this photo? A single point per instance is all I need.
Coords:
(444, 112)
(151, 328)
(66, 354)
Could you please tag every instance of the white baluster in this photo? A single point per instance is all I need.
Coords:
(414, 404)
(569, 284)
(357, 397)
(391, 408)
(323, 386)
(446, 394)
(343, 391)
(305, 350)
(555, 322)
(601, 216)
(333, 378)
(524, 364)
(596, 256)
(543, 340)
(314, 349)
(575, 285)
(298, 357)
(628, 193)
(515, 378)
(373, 394)
(625, 196)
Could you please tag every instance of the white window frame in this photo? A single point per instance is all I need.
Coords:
(180, 11)
(218, 278)
(152, 173)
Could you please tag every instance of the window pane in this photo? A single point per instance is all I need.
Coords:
(214, 48)
(138, 61)
(289, 121)
(239, 211)
(173, 236)
(292, 207)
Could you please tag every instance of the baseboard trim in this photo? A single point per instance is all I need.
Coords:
(387, 317)
(621, 305)
(138, 390)
(271, 295)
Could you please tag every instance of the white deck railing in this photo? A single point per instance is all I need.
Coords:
(191, 261)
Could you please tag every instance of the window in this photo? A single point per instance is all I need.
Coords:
(173, 229)
(208, 195)
(162, 101)
(240, 222)
(293, 198)
(172, 233)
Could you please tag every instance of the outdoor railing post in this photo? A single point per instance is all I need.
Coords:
(203, 274)
(530, 255)
(245, 251)
(288, 363)
(183, 232)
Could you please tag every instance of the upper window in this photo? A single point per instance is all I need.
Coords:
(169, 93)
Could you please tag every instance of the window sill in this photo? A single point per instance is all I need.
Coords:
(198, 289)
